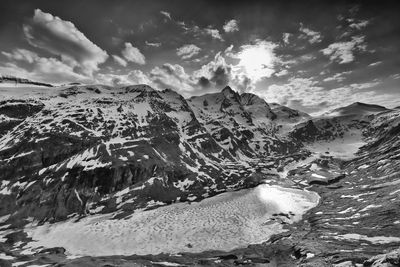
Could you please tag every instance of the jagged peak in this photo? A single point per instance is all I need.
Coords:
(228, 90)
(251, 99)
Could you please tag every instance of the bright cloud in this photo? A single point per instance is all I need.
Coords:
(120, 60)
(231, 26)
(133, 54)
(172, 76)
(312, 36)
(359, 25)
(257, 60)
(63, 39)
(214, 33)
(166, 14)
(188, 51)
(343, 52)
(43, 69)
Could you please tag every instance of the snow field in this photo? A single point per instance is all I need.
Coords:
(224, 222)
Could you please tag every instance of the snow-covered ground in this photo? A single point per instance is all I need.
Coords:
(224, 222)
(344, 148)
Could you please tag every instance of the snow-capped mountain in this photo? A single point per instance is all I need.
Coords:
(82, 151)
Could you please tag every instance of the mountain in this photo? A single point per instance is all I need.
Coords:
(7, 80)
(357, 109)
(102, 157)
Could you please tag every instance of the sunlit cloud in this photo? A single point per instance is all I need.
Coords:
(61, 38)
(343, 52)
(231, 26)
(188, 51)
(257, 60)
(133, 54)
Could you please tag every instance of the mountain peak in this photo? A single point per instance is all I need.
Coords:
(228, 90)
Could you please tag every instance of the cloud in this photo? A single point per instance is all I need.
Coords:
(214, 33)
(217, 73)
(172, 76)
(286, 37)
(166, 14)
(308, 95)
(132, 77)
(120, 60)
(359, 25)
(312, 36)
(257, 60)
(375, 64)
(21, 54)
(343, 52)
(231, 26)
(153, 44)
(188, 51)
(338, 77)
(133, 54)
(39, 68)
(63, 39)
(197, 31)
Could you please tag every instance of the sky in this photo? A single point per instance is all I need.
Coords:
(308, 55)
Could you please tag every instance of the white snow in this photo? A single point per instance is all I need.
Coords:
(166, 263)
(224, 222)
(344, 148)
(373, 239)
(5, 257)
(318, 176)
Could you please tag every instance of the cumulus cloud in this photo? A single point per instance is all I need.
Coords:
(214, 33)
(63, 39)
(133, 54)
(216, 73)
(343, 52)
(120, 60)
(312, 36)
(187, 51)
(39, 68)
(231, 26)
(172, 76)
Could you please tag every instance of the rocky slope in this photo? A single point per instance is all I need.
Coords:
(82, 151)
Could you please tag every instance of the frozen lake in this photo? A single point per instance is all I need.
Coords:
(224, 222)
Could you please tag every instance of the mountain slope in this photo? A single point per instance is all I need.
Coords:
(81, 153)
